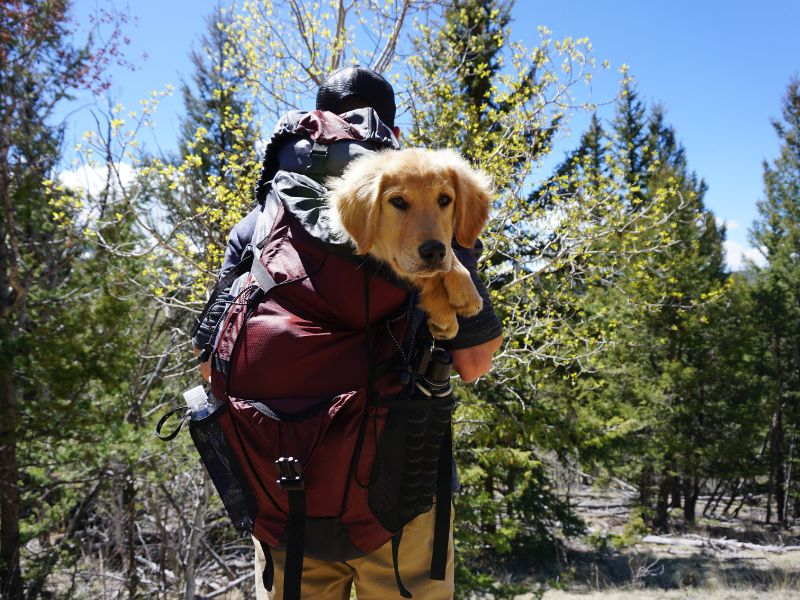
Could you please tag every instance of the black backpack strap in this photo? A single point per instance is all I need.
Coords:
(268, 574)
(290, 478)
(444, 490)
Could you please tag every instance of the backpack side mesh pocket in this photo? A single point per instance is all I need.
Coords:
(224, 469)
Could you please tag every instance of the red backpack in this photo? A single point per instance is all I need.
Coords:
(332, 422)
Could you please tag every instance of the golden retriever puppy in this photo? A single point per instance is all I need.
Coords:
(403, 208)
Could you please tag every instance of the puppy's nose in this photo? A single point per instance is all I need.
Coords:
(432, 252)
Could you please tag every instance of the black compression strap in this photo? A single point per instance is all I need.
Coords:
(268, 574)
(395, 551)
(295, 541)
(441, 527)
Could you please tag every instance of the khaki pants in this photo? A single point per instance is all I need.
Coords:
(373, 575)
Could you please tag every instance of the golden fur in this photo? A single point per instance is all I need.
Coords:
(404, 208)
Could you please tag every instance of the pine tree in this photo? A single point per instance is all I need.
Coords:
(42, 312)
(629, 128)
(213, 102)
(643, 411)
(464, 96)
(777, 299)
(217, 145)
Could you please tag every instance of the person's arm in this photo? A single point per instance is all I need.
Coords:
(475, 361)
(478, 337)
(205, 368)
(240, 236)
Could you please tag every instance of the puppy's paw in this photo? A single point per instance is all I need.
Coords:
(462, 295)
(443, 327)
(467, 304)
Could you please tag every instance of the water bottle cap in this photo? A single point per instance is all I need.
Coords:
(195, 398)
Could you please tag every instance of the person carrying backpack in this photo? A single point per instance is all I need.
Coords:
(286, 243)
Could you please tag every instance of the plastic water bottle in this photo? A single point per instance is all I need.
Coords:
(199, 403)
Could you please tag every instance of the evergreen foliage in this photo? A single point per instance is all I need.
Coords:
(776, 298)
(630, 351)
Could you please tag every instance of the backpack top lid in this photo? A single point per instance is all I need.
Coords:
(299, 134)
(357, 87)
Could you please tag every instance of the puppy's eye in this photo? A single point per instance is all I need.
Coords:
(398, 202)
(444, 200)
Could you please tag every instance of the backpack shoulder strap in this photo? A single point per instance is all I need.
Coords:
(225, 281)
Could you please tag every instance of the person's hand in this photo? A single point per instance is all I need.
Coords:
(205, 368)
(476, 361)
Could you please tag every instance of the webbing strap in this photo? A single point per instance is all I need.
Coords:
(295, 541)
(441, 527)
(395, 551)
(264, 279)
(268, 574)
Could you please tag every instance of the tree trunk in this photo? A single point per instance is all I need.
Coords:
(778, 465)
(735, 488)
(645, 481)
(712, 498)
(488, 486)
(691, 490)
(796, 509)
(129, 506)
(675, 484)
(10, 502)
(787, 485)
(662, 504)
(745, 500)
(10, 573)
(195, 537)
(768, 517)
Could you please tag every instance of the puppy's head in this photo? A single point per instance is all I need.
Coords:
(404, 207)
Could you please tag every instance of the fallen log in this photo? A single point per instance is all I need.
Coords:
(716, 543)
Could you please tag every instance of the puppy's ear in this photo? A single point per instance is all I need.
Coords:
(356, 198)
(473, 194)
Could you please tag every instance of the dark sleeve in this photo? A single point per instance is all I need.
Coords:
(240, 236)
(485, 326)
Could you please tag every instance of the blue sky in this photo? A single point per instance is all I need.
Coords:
(718, 68)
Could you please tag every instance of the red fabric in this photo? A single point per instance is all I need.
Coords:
(327, 127)
(325, 445)
(306, 342)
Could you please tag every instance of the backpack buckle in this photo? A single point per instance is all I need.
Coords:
(290, 474)
(317, 156)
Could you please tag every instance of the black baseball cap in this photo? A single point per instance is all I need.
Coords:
(357, 87)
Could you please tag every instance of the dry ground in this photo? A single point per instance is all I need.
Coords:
(705, 562)
(672, 595)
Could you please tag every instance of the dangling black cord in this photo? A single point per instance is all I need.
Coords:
(368, 339)
(362, 428)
